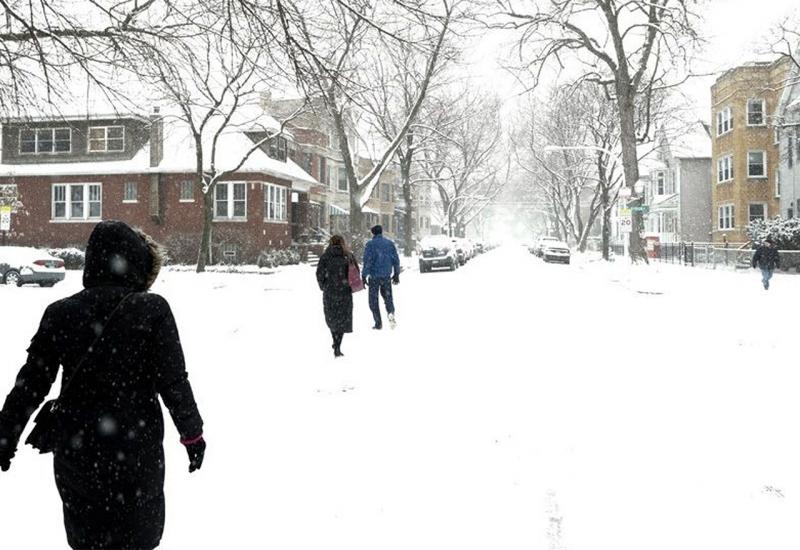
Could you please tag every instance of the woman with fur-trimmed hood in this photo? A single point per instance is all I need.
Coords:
(109, 458)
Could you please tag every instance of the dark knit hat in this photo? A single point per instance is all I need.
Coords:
(377, 230)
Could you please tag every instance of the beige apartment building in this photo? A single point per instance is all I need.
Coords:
(744, 184)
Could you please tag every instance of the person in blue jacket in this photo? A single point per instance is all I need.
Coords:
(381, 269)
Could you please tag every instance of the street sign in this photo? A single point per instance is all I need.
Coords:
(643, 209)
(625, 220)
(5, 218)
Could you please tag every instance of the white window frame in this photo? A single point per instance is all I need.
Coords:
(763, 111)
(778, 183)
(728, 213)
(135, 187)
(104, 139)
(764, 157)
(762, 204)
(86, 202)
(725, 168)
(660, 178)
(181, 189)
(276, 195)
(36, 141)
(724, 121)
(342, 171)
(231, 186)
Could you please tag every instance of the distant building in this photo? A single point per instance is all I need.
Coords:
(744, 147)
(677, 185)
(787, 185)
(316, 150)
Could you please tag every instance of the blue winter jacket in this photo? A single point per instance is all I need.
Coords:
(380, 257)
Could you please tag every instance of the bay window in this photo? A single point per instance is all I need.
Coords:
(274, 203)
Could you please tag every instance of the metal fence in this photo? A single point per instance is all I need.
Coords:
(712, 255)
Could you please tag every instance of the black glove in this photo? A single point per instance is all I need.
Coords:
(7, 452)
(364, 280)
(196, 451)
(396, 279)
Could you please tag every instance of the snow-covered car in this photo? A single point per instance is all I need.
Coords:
(541, 242)
(435, 252)
(21, 265)
(555, 251)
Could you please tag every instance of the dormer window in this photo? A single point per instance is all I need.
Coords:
(43, 141)
(106, 139)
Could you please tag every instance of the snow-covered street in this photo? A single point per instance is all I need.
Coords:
(518, 405)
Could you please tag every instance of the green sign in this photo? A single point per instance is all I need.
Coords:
(642, 209)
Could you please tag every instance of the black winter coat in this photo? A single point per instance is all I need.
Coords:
(337, 296)
(109, 465)
(767, 257)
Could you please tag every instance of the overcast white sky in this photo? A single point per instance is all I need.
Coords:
(735, 31)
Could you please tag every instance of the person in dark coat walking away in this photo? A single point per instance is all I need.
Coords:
(109, 456)
(337, 295)
(380, 261)
(768, 259)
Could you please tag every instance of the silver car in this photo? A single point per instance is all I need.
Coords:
(21, 265)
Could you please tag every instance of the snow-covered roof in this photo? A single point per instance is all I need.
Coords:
(179, 157)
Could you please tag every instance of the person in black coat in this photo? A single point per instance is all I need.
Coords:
(337, 295)
(768, 259)
(109, 458)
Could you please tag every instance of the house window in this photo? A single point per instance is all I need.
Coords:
(131, 192)
(77, 201)
(308, 162)
(725, 168)
(106, 139)
(756, 211)
(724, 121)
(187, 191)
(45, 141)
(726, 219)
(277, 148)
(661, 183)
(755, 112)
(789, 151)
(777, 183)
(777, 135)
(230, 201)
(756, 164)
(274, 203)
(385, 192)
(343, 179)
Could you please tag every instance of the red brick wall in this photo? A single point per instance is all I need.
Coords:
(180, 226)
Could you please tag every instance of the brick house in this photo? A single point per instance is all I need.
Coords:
(72, 172)
(744, 150)
(316, 149)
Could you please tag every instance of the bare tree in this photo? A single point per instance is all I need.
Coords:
(461, 159)
(45, 45)
(215, 82)
(330, 44)
(628, 48)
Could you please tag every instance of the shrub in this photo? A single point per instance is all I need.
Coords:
(74, 258)
(785, 233)
(279, 257)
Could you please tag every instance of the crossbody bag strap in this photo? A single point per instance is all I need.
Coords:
(89, 350)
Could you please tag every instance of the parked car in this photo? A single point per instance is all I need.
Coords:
(21, 265)
(555, 251)
(479, 248)
(437, 251)
(540, 244)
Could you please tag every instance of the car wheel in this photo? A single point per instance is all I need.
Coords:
(13, 278)
(46, 285)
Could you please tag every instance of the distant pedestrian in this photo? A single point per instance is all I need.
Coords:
(119, 349)
(337, 294)
(381, 270)
(768, 259)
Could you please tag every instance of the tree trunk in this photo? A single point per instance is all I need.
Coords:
(630, 165)
(205, 240)
(405, 174)
(606, 231)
